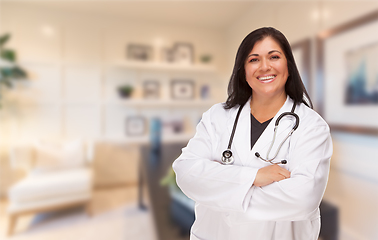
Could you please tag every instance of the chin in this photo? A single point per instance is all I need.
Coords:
(272, 93)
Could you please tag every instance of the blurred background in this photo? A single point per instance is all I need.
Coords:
(98, 98)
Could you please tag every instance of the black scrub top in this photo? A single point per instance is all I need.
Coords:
(257, 129)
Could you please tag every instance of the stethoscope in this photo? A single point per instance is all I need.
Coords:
(227, 157)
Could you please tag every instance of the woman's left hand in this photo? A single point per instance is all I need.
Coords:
(270, 174)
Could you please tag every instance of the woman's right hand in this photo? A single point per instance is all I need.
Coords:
(270, 174)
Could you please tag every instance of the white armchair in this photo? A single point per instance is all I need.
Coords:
(59, 176)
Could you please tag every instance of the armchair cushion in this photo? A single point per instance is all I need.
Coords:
(58, 156)
(52, 185)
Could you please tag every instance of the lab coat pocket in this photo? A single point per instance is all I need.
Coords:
(209, 224)
(306, 229)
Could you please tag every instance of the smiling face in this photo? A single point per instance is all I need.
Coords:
(266, 69)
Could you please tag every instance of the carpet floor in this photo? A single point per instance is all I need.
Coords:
(115, 218)
(124, 223)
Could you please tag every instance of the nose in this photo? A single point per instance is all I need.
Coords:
(264, 65)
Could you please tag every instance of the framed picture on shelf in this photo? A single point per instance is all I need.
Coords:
(135, 126)
(348, 76)
(172, 125)
(151, 89)
(139, 52)
(167, 55)
(183, 53)
(182, 89)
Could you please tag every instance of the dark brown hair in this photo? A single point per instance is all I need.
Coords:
(239, 90)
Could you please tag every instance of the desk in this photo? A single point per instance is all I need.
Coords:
(153, 167)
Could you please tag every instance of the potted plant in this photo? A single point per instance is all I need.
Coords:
(206, 58)
(125, 91)
(181, 207)
(169, 180)
(175, 192)
(9, 70)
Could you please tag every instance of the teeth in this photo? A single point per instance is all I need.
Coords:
(266, 78)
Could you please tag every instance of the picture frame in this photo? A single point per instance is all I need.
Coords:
(167, 55)
(182, 89)
(139, 52)
(301, 51)
(172, 125)
(334, 52)
(183, 53)
(151, 89)
(135, 126)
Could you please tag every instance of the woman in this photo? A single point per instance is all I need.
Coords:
(252, 198)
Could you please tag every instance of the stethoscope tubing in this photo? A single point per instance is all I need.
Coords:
(227, 156)
(278, 149)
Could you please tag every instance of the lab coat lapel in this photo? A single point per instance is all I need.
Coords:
(284, 127)
(242, 138)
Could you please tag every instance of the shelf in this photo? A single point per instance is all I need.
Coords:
(165, 66)
(134, 103)
(134, 65)
(185, 137)
(164, 103)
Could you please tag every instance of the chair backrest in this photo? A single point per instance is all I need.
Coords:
(42, 156)
(21, 156)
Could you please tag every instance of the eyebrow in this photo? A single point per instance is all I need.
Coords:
(255, 54)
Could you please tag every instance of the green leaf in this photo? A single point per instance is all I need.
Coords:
(13, 72)
(7, 82)
(4, 39)
(6, 72)
(169, 178)
(18, 73)
(8, 54)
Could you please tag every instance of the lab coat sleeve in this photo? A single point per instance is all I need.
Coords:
(208, 182)
(299, 196)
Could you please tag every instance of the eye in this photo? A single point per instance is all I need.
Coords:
(275, 57)
(253, 60)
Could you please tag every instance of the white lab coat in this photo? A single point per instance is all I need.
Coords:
(228, 206)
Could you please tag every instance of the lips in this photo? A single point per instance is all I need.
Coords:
(267, 79)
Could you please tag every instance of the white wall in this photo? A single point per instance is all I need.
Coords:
(71, 60)
(59, 48)
(353, 184)
(353, 181)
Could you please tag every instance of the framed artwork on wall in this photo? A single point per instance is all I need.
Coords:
(182, 89)
(348, 76)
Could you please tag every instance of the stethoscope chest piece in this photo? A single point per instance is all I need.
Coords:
(227, 157)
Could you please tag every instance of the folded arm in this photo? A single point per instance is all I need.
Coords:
(208, 182)
(299, 195)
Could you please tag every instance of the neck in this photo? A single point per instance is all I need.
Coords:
(265, 108)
